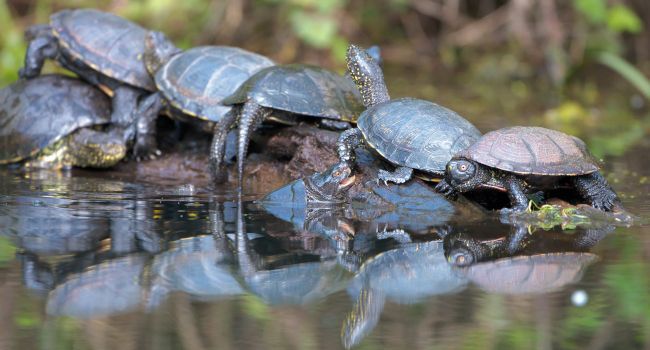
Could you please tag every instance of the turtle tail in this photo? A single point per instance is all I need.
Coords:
(252, 114)
(367, 74)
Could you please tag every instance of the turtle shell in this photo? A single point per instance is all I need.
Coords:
(302, 89)
(197, 80)
(38, 112)
(107, 43)
(416, 133)
(532, 150)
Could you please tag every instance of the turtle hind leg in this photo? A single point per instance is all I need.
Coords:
(43, 45)
(146, 114)
(347, 142)
(252, 114)
(218, 147)
(399, 176)
(595, 189)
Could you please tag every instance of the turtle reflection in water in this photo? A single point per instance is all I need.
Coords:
(199, 266)
(405, 275)
(522, 263)
(285, 279)
(107, 288)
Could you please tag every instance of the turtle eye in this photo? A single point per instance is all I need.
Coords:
(462, 167)
(337, 173)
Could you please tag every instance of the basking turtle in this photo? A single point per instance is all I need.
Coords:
(101, 48)
(192, 84)
(410, 133)
(47, 122)
(521, 160)
(293, 89)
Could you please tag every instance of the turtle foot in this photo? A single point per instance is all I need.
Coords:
(399, 176)
(446, 190)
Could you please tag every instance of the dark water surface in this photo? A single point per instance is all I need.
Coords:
(90, 262)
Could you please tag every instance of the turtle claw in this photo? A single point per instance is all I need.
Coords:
(446, 190)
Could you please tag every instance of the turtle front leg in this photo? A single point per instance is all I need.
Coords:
(443, 187)
(145, 118)
(518, 197)
(43, 45)
(399, 176)
(595, 189)
(218, 147)
(252, 115)
(347, 142)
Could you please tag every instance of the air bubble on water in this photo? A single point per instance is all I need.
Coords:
(579, 298)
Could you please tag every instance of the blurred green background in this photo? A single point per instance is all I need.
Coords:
(577, 65)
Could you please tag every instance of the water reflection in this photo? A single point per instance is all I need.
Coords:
(111, 250)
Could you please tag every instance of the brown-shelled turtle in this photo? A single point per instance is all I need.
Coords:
(522, 160)
(412, 134)
(48, 122)
(290, 90)
(192, 85)
(101, 48)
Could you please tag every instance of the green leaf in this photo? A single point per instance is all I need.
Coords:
(621, 19)
(594, 10)
(315, 30)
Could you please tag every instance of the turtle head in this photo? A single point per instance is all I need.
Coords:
(157, 50)
(330, 185)
(95, 149)
(465, 175)
(367, 75)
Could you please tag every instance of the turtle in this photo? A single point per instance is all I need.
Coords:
(101, 48)
(524, 159)
(192, 84)
(287, 90)
(412, 134)
(48, 122)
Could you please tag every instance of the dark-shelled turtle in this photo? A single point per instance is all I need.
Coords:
(410, 133)
(293, 89)
(101, 48)
(193, 83)
(522, 160)
(48, 122)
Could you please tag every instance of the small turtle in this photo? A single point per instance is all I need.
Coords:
(410, 133)
(193, 84)
(294, 89)
(47, 123)
(101, 48)
(521, 160)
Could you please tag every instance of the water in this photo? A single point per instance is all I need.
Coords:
(90, 261)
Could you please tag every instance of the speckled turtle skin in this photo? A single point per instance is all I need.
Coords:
(416, 133)
(36, 113)
(197, 80)
(532, 151)
(109, 44)
(411, 134)
(302, 89)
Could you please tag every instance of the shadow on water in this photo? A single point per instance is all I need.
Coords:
(93, 261)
